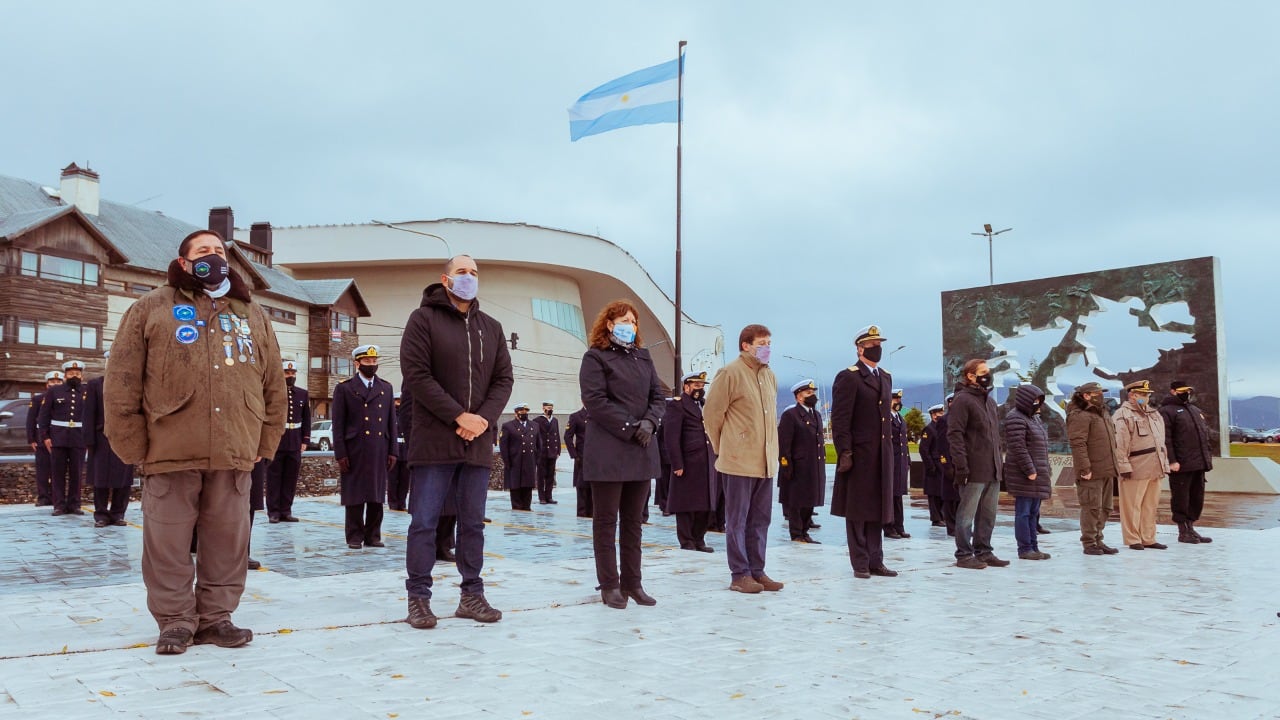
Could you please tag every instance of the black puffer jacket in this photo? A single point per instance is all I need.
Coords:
(453, 363)
(973, 432)
(1026, 447)
(1186, 435)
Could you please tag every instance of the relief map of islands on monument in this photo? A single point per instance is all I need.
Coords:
(1151, 322)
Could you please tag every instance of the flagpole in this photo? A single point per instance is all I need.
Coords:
(679, 136)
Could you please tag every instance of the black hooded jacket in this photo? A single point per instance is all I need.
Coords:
(453, 363)
(1026, 447)
(973, 432)
(1186, 435)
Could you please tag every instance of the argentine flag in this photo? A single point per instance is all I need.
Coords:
(644, 97)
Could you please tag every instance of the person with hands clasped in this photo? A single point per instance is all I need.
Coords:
(1026, 467)
(973, 434)
(622, 395)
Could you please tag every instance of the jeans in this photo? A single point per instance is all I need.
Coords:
(1026, 515)
(470, 486)
(748, 508)
(976, 518)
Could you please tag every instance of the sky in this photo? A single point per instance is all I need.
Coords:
(837, 155)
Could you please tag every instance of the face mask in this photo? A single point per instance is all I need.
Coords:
(1141, 400)
(984, 381)
(73, 382)
(290, 381)
(897, 406)
(762, 353)
(464, 287)
(698, 394)
(522, 416)
(1035, 407)
(209, 269)
(1185, 398)
(368, 370)
(872, 353)
(811, 401)
(624, 333)
(547, 413)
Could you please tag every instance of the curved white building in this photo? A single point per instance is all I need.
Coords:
(544, 285)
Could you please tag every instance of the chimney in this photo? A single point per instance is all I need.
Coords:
(80, 188)
(222, 222)
(260, 238)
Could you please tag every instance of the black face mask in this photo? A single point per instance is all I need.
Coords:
(522, 416)
(984, 381)
(698, 394)
(811, 401)
(547, 413)
(73, 382)
(368, 370)
(1185, 398)
(290, 381)
(897, 406)
(872, 353)
(209, 269)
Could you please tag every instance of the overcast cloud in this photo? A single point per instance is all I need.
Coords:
(837, 155)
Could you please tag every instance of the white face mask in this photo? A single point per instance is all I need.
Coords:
(464, 287)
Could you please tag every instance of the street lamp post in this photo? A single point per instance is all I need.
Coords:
(989, 234)
(891, 354)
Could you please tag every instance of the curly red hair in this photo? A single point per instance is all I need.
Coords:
(599, 335)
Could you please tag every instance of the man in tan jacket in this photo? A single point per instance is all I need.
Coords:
(741, 418)
(1143, 462)
(194, 396)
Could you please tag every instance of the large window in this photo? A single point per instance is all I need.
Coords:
(561, 315)
(340, 365)
(281, 315)
(52, 267)
(43, 332)
(339, 321)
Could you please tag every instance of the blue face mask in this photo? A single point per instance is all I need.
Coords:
(464, 287)
(624, 333)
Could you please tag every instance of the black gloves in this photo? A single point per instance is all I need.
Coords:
(961, 480)
(644, 433)
(845, 462)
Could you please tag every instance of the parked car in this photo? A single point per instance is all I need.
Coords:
(1258, 436)
(13, 427)
(1272, 435)
(321, 435)
(1235, 433)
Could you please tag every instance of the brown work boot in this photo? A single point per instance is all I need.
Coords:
(420, 615)
(746, 584)
(173, 641)
(474, 606)
(223, 634)
(767, 583)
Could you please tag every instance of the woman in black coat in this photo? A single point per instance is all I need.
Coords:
(624, 399)
(1026, 467)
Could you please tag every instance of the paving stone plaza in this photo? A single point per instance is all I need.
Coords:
(1190, 632)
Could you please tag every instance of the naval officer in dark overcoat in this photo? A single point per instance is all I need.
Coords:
(861, 405)
(364, 444)
(110, 477)
(521, 446)
(802, 461)
(695, 483)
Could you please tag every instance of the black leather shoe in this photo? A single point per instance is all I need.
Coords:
(223, 634)
(288, 518)
(59, 511)
(815, 526)
(446, 555)
(861, 574)
(705, 549)
(273, 520)
(553, 502)
(1157, 546)
(121, 523)
(614, 598)
(641, 597)
(1137, 546)
(883, 571)
(1040, 530)
(903, 534)
(76, 511)
(892, 535)
(937, 523)
(254, 564)
(809, 539)
(99, 523)
(375, 543)
(354, 546)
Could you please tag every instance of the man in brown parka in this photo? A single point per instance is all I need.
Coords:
(1093, 455)
(194, 396)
